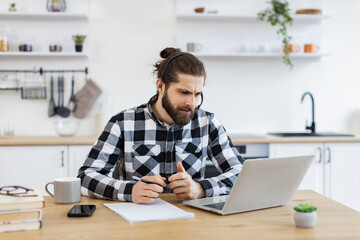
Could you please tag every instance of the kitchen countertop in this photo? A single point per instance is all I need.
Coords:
(46, 140)
(237, 139)
(275, 139)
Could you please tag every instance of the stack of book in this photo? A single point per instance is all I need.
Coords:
(21, 213)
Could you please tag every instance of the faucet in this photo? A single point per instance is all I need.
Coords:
(312, 127)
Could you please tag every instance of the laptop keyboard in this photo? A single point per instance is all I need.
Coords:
(218, 206)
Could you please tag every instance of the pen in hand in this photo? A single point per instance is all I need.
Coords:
(136, 178)
(149, 190)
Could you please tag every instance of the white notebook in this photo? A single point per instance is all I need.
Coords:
(159, 210)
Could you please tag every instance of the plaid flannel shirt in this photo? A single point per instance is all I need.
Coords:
(136, 143)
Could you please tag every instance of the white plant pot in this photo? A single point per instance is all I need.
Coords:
(305, 219)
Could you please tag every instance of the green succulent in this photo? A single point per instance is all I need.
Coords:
(79, 39)
(305, 207)
(12, 5)
(279, 15)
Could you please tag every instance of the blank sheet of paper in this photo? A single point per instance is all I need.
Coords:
(159, 210)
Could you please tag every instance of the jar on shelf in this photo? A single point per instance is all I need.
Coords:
(56, 5)
(4, 41)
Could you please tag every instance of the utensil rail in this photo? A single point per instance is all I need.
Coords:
(42, 71)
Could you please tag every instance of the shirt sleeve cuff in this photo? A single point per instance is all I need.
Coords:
(126, 194)
(208, 186)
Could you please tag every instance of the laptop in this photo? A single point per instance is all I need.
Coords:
(262, 183)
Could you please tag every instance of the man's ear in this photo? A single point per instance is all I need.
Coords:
(160, 86)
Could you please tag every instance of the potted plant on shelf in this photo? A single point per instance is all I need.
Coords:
(12, 7)
(305, 215)
(79, 41)
(279, 15)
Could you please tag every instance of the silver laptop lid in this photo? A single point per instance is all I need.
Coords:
(268, 182)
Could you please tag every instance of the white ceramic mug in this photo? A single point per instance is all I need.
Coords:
(264, 48)
(194, 47)
(244, 48)
(66, 190)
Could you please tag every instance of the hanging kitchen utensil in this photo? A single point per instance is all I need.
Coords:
(59, 94)
(62, 111)
(51, 110)
(72, 101)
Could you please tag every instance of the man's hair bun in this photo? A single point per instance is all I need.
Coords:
(174, 62)
(169, 51)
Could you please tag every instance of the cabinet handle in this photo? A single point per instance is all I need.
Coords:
(62, 158)
(320, 155)
(329, 151)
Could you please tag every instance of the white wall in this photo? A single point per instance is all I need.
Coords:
(247, 95)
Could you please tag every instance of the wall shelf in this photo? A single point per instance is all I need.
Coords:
(206, 16)
(260, 55)
(250, 38)
(44, 15)
(43, 54)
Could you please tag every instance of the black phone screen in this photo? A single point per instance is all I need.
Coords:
(81, 211)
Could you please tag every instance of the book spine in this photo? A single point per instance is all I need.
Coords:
(20, 215)
(21, 225)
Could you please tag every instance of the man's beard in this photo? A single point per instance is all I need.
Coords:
(179, 118)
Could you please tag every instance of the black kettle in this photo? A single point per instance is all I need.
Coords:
(56, 5)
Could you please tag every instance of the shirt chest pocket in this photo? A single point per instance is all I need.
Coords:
(190, 155)
(145, 159)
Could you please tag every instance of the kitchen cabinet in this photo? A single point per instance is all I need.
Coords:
(232, 30)
(77, 156)
(32, 166)
(334, 172)
(342, 167)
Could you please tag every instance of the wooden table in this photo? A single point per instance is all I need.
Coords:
(335, 221)
(90, 140)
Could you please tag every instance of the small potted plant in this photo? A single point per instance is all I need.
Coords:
(305, 215)
(79, 41)
(12, 7)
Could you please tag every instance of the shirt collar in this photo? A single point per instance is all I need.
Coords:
(153, 100)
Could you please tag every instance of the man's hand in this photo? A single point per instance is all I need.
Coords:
(183, 186)
(148, 193)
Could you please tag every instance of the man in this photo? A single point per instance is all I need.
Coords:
(166, 142)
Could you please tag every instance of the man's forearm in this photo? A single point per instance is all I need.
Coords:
(96, 185)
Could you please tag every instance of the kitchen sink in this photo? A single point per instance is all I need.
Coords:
(309, 134)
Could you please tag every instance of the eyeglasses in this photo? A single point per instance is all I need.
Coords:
(16, 191)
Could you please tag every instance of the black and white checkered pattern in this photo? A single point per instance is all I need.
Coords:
(135, 142)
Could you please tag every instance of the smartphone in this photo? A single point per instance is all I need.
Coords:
(81, 210)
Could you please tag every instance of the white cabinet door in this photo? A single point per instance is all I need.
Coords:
(32, 166)
(342, 168)
(77, 156)
(314, 178)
